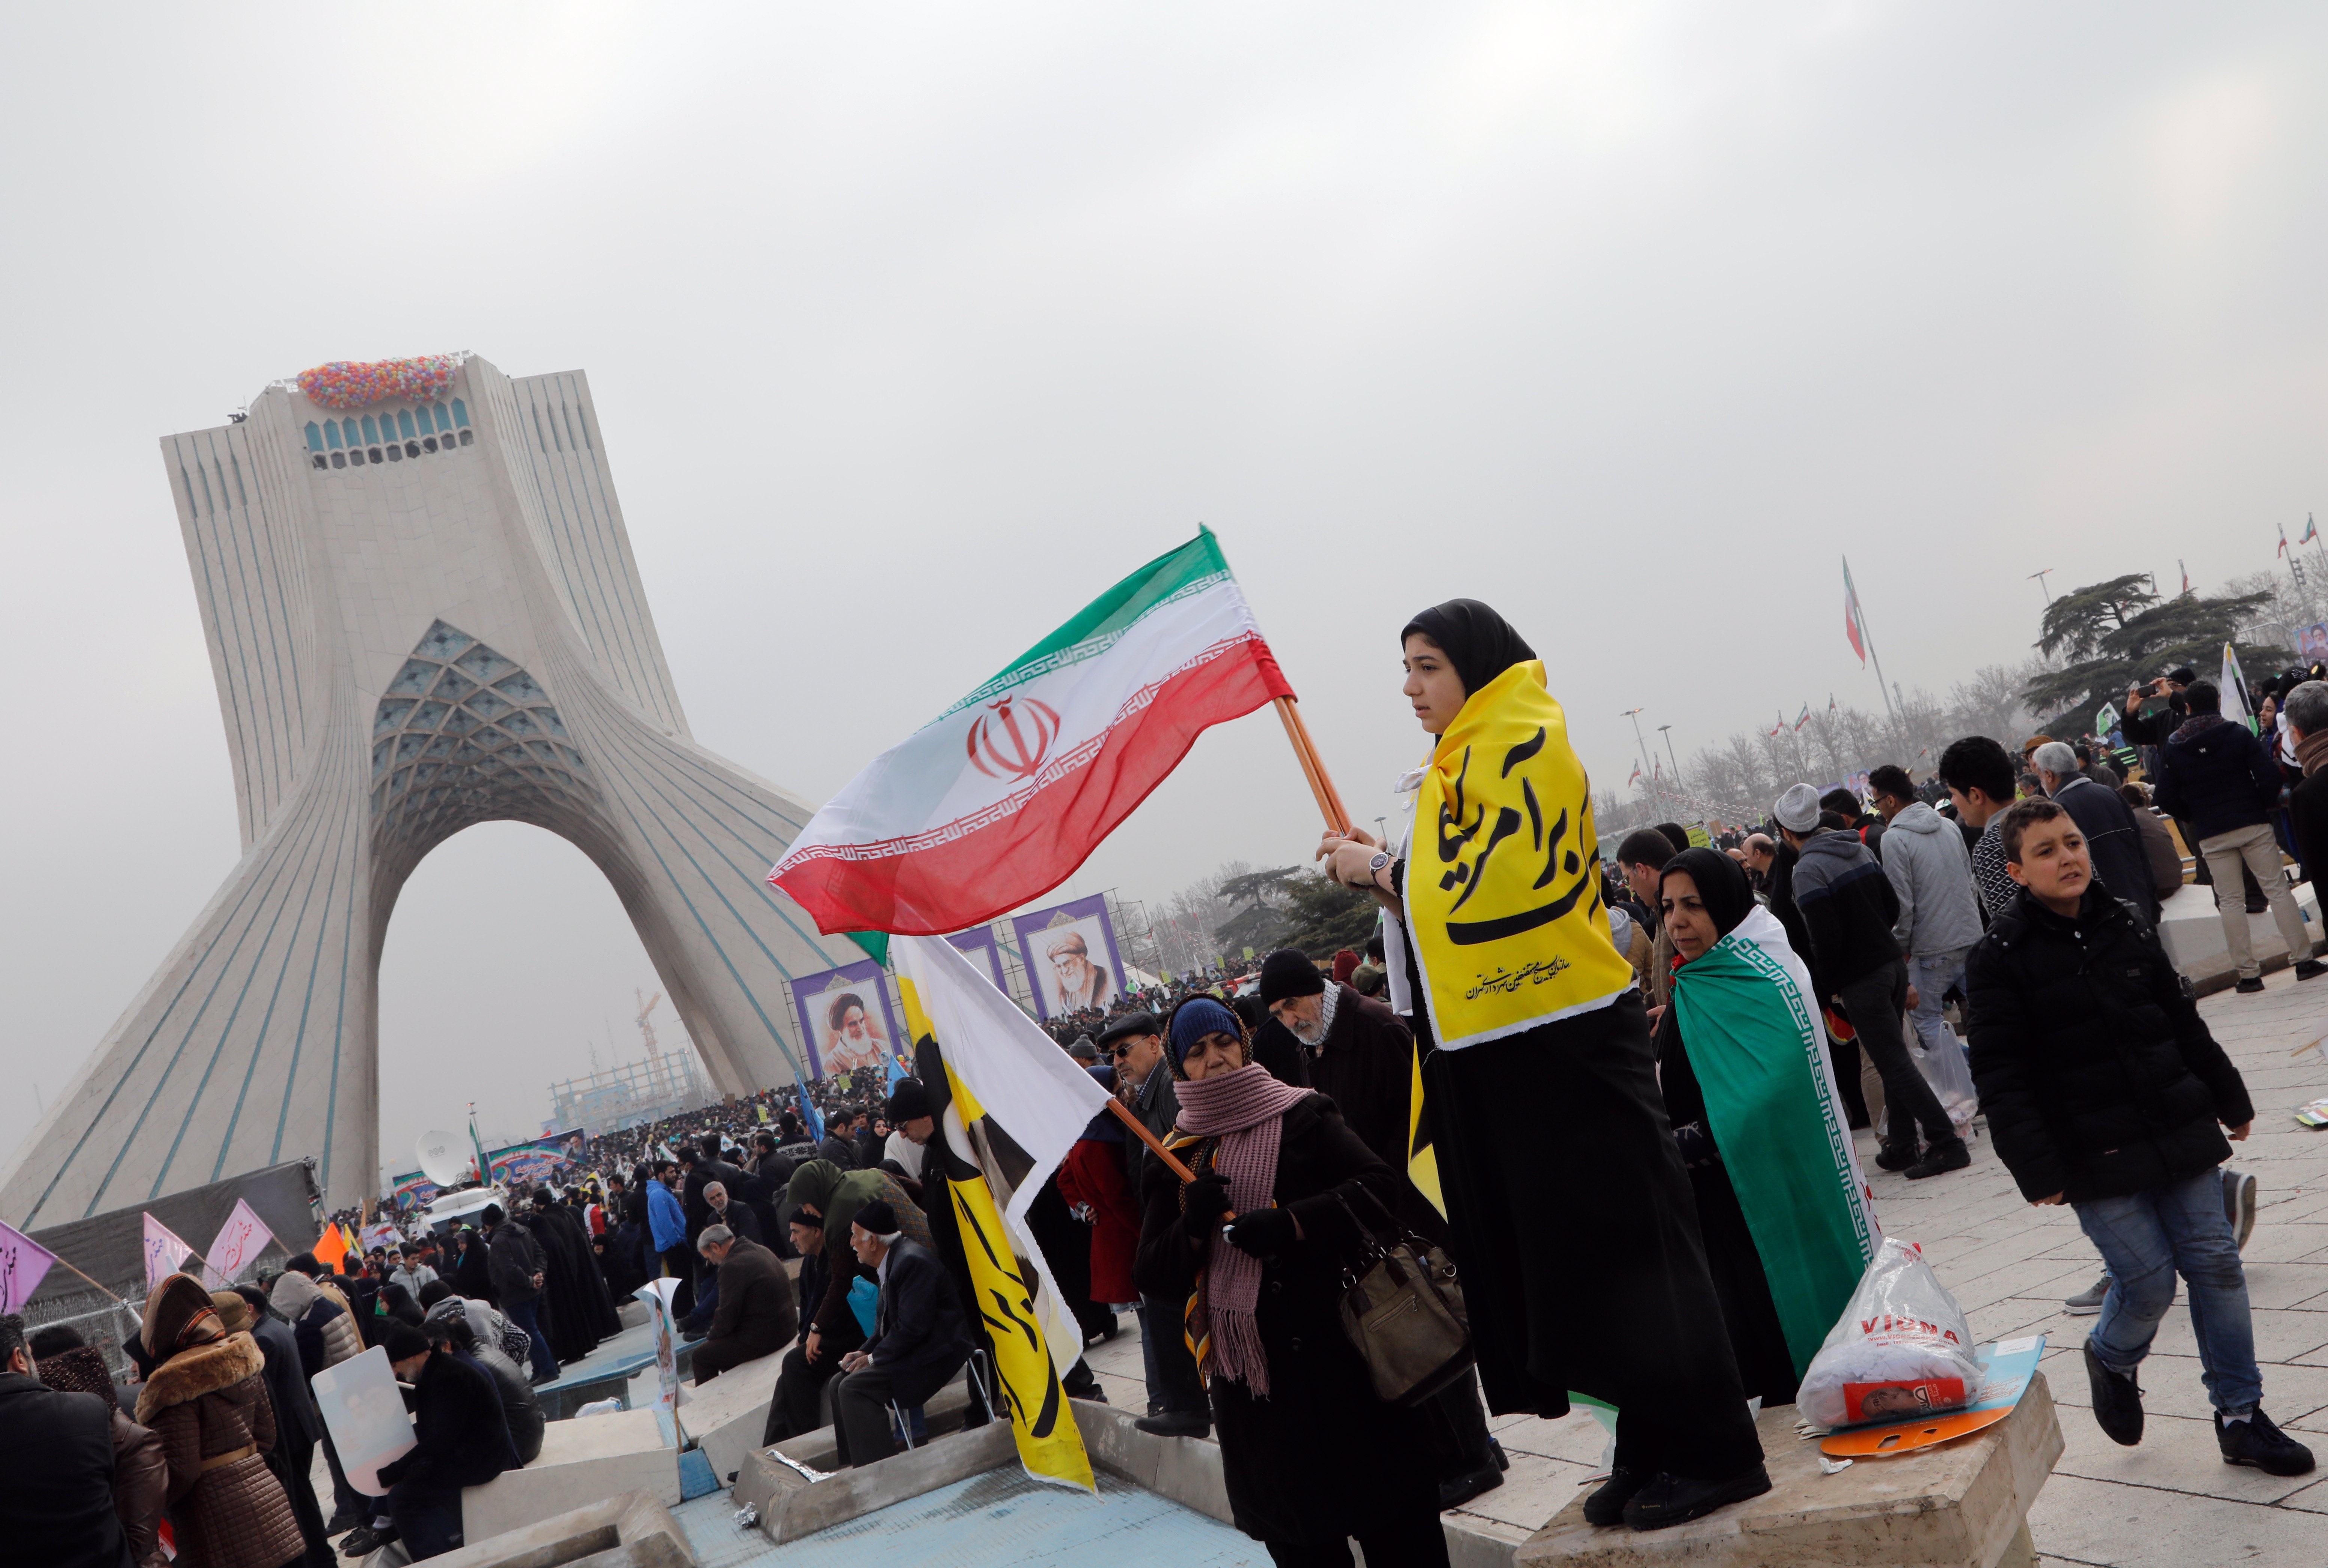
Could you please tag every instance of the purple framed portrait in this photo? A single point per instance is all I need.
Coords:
(977, 943)
(846, 1019)
(1071, 958)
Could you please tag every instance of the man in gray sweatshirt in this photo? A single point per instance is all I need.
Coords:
(1925, 859)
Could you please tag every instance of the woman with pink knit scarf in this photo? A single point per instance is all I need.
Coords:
(1256, 1246)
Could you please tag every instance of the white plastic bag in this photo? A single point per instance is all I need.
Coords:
(1950, 1076)
(1901, 1350)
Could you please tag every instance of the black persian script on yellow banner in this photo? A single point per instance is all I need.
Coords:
(1502, 888)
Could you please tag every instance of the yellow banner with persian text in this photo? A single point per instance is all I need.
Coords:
(1503, 883)
(1042, 1423)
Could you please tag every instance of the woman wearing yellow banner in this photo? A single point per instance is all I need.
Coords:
(1570, 1212)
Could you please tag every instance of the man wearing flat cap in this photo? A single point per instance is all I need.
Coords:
(1177, 1406)
(919, 1340)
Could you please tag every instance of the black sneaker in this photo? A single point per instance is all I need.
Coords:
(1176, 1424)
(1939, 1160)
(1606, 1505)
(1454, 1494)
(2310, 969)
(342, 1521)
(366, 1539)
(2249, 986)
(1671, 1500)
(2255, 1442)
(1896, 1156)
(2118, 1401)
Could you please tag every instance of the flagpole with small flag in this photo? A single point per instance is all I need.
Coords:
(2296, 570)
(1862, 643)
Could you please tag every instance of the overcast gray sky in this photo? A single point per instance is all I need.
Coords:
(913, 327)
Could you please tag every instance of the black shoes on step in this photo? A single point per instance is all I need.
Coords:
(1660, 1501)
(1671, 1500)
(1607, 1504)
(1176, 1424)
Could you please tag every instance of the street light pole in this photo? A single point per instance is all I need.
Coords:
(1666, 730)
(2039, 578)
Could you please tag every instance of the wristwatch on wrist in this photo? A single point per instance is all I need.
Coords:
(1375, 866)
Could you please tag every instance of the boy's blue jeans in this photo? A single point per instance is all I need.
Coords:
(2146, 1240)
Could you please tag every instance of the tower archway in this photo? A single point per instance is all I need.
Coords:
(433, 636)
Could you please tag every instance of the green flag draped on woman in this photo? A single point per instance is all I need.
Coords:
(1782, 1204)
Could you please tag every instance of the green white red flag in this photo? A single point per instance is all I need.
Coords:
(1853, 627)
(1000, 798)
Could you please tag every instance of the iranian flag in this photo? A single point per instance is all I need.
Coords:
(1001, 796)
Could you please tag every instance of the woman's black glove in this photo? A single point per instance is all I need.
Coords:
(1207, 1198)
(1265, 1232)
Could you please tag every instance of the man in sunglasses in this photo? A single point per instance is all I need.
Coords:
(1175, 1399)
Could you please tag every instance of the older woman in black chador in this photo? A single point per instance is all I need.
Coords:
(1310, 1455)
(1570, 1211)
(1781, 1201)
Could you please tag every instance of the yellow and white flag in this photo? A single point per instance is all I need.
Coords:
(1013, 1105)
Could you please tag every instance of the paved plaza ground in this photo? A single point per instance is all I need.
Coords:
(2170, 1502)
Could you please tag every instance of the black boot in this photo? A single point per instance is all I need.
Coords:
(1462, 1490)
(1176, 1424)
(1606, 1505)
(1939, 1160)
(1893, 1156)
(2256, 1441)
(2118, 1401)
(1671, 1500)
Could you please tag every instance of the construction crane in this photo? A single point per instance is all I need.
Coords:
(646, 1030)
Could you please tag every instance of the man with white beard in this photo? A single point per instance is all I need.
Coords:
(1081, 983)
(1362, 1057)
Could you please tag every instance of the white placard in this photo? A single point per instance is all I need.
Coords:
(364, 1410)
(657, 1294)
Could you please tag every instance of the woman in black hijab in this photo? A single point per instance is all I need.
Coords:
(1756, 1338)
(1569, 1209)
(1478, 643)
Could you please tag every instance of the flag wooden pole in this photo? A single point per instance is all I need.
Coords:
(1149, 1139)
(1305, 751)
(100, 1290)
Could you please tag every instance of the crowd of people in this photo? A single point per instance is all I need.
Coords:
(1088, 1022)
(1694, 1031)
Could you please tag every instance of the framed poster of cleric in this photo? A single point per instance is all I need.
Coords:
(978, 945)
(845, 1019)
(1071, 958)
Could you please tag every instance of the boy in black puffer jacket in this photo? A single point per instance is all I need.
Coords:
(2104, 1091)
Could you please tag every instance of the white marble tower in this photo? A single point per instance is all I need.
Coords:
(422, 614)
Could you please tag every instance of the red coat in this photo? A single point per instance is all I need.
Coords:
(1093, 1174)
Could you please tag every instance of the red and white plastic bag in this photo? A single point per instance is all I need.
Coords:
(1902, 1350)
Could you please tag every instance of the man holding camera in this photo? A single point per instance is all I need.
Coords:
(2225, 782)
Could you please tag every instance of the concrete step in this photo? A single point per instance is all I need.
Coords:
(583, 1461)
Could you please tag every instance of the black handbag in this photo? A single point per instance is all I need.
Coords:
(1403, 1311)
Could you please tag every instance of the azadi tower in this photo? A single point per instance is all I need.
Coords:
(423, 612)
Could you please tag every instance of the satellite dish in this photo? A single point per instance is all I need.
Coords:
(443, 1156)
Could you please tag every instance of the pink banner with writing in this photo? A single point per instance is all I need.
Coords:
(240, 1242)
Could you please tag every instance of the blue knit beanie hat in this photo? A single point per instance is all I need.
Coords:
(1195, 1019)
